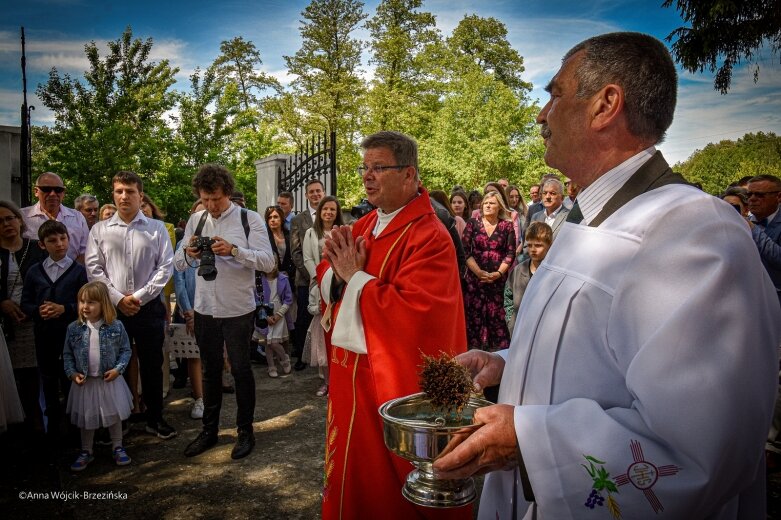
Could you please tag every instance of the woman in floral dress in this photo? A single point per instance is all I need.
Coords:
(489, 244)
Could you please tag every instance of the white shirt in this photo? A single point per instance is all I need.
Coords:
(232, 293)
(549, 219)
(592, 199)
(93, 364)
(55, 269)
(74, 221)
(134, 258)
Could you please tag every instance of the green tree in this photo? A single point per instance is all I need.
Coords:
(718, 165)
(239, 62)
(328, 87)
(726, 32)
(110, 121)
(483, 41)
(402, 96)
(480, 134)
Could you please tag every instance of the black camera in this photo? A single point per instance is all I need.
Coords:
(262, 312)
(207, 268)
(362, 208)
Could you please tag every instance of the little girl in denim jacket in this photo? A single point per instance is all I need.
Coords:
(96, 352)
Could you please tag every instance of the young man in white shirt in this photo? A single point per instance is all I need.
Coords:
(132, 255)
(225, 303)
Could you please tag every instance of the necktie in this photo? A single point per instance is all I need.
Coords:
(575, 216)
(762, 222)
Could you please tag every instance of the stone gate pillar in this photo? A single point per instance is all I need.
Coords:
(267, 179)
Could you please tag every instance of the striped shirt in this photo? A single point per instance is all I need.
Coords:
(592, 199)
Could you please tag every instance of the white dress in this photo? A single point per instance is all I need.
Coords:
(10, 406)
(277, 332)
(647, 344)
(96, 403)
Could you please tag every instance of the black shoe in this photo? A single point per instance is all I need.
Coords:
(137, 417)
(299, 366)
(244, 444)
(203, 442)
(161, 428)
(228, 389)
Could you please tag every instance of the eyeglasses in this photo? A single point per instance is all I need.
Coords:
(379, 169)
(49, 189)
(761, 194)
(8, 220)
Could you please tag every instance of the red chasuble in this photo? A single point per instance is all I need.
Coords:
(414, 305)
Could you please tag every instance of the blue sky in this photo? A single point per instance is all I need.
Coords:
(189, 34)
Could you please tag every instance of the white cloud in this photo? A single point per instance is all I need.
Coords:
(10, 109)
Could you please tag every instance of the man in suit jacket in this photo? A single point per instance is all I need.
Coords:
(764, 196)
(301, 222)
(554, 213)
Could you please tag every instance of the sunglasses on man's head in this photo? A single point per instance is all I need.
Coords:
(49, 189)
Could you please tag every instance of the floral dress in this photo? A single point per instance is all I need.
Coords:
(486, 328)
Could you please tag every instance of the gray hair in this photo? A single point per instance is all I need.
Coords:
(403, 147)
(554, 182)
(642, 66)
(83, 198)
(766, 178)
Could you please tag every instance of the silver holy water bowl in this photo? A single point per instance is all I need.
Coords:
(414, 431)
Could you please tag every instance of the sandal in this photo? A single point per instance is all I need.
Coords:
(323, 391)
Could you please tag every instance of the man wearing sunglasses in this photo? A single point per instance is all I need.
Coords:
(764, 195)
(49, 190)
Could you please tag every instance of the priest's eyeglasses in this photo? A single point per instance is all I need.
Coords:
(378, 169)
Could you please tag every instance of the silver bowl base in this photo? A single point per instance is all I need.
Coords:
(423, 489)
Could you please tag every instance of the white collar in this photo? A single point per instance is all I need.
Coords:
(64, 263)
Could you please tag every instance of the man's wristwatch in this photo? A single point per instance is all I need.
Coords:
(234, 251)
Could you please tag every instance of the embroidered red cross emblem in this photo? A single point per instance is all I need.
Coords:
(643, 475)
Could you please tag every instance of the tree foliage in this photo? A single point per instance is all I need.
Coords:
(402, 95)
(111, 121)
(718, 165)
(725, 32)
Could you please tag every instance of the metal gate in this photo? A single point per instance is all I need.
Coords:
(316, 161)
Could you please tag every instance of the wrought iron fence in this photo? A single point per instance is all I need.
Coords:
(317, 160)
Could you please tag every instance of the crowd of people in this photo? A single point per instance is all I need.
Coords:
(602, 312)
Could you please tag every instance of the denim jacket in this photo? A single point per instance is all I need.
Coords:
(114, 348)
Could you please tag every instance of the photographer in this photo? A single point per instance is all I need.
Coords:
(229, 244)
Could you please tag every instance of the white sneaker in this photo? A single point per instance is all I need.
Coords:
(197, 411)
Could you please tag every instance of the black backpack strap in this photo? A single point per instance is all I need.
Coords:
(258, 278)
(245, 222)
(199, 227)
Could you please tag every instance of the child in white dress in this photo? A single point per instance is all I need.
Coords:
(277, 291)
(96, 352)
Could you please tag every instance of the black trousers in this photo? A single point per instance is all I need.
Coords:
(303, 319)
(147, 330)
(234, 333)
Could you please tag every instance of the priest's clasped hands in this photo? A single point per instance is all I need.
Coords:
(491, 447)
(346, 255)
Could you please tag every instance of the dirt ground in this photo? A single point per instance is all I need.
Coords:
(280, 479)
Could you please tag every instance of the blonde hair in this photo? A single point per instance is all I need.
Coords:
(97, 291)
(504, 213)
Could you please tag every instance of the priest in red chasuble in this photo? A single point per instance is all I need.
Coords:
(393, 293)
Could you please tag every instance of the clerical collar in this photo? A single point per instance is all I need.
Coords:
(593, 198)
(383, 219)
